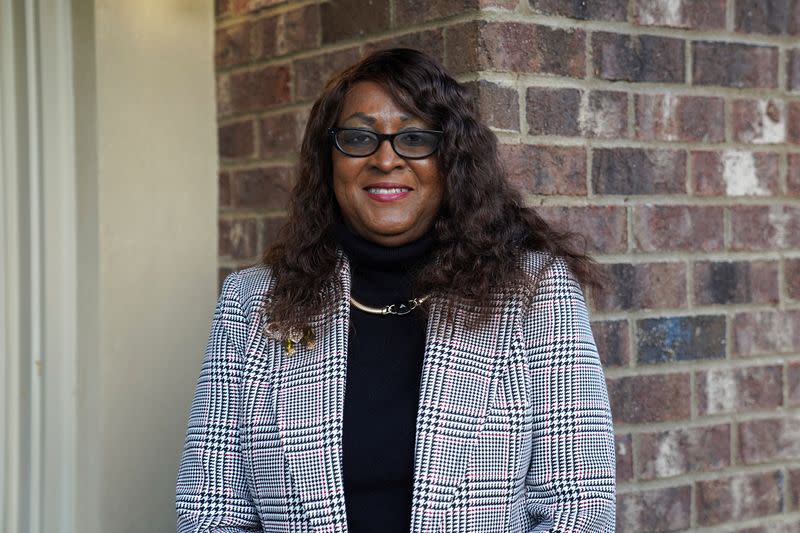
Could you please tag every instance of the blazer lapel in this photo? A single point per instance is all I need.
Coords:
(309, 389)
(459, 377)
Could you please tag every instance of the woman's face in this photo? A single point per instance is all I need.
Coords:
(384, 198)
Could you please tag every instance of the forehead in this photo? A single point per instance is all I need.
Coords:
(371, 99)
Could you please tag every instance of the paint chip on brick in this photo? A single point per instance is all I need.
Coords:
(740, 175)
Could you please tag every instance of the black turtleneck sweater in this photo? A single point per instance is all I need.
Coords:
(384, 365)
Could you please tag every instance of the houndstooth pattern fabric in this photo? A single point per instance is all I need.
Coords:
(514, 430)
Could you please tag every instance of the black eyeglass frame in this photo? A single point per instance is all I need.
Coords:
(385, 137)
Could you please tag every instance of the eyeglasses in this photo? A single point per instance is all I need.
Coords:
(412, 144)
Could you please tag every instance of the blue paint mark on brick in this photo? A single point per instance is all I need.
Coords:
(661, 340)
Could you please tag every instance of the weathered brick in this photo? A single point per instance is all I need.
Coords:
(773, 16)
(734, 65)
(266, 188)
(236, 140)
(232, 45)
(515, 47)
(553, 111)
(411, 12)
(793, 70)
(793, 379)
(793, 174)
(677, 228)
(312, 73)
(681, 451)
(604, 227)
(642, 286)
(612, 338)
(793, 122)
(735, 173)
(242, 92)
(791, 276)
(604, 114)
(777, 525)
(765, 227)
(546, 169)
(498, 105)
(623, 445)
(298, 29)
(759, 121)
(734, 390)
(654, 511)
(268, 230)
(763, 332)
(643, 58)
(281, 134)
(688, 338)
(769, 440)
(581, 9)
(638, 171)
(656, 398)
(224, 181)
(794, 496)
(669, 117)
(349, 19)
(693, 14)
(729, 282)
(738, 498)
(237, 238)
(429, 41)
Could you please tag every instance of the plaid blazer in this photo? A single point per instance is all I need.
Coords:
(513, 430)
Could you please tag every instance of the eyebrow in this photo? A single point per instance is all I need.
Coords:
(371, 120)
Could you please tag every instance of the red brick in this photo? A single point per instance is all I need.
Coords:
(735, 173)
(638, 171)
(794, 495)
(605, 227)
(759, 121)
(734, 65)
(581, 9)
(780, 17)
(793, 379)
(642, 58)
(668, 117)
(429, 41)
(734, 390)
(680, 338)
(681, 451)
(553, 111)
(604, 115)
(515, 47)
(546, 169)
(350, 19)
(281, 134)
(612, 338)
(738, 498)
(793, 175)
(243, 92)
(642, 286)
(769, 440)
(244, 7)
(654, 511)
(268, 230)
(656, 398)
(236, 140)
(624, 451)
(411, 12)
(298, 29)
(232, 46)
(793, 127)
(793, 70)
(662, 228)
(224, 199)
(764, 332)
(759, 227)
(266, 188)
(498, 105)
(312, 73)
(736, 282)
(237, 238)
(791, 275)
(693, 14)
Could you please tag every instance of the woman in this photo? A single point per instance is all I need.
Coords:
(415, 353)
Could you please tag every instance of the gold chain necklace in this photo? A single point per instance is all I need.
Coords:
(393, 309)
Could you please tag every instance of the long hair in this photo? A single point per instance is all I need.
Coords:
(483, 226)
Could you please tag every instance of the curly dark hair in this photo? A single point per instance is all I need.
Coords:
(483, 226)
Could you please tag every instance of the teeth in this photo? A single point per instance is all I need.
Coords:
(379, 190)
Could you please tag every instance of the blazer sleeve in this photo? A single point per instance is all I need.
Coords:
(212, 495)
(570, 485)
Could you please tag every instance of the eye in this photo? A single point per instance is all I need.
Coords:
(356, 137)
(417, 139)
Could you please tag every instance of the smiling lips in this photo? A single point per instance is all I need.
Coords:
(387, 192)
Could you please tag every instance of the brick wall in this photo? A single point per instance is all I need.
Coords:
(666, 130)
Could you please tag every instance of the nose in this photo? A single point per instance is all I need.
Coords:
(386, 159)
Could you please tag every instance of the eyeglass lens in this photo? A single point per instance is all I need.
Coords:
(413, 144)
